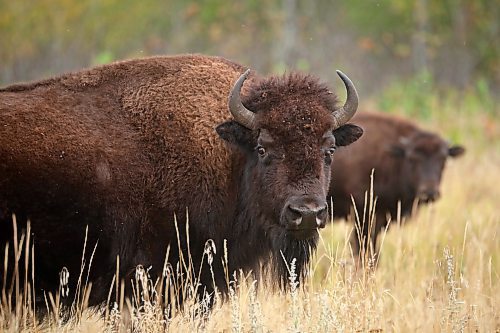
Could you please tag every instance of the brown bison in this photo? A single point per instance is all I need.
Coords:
(123, 147)
(408, 163)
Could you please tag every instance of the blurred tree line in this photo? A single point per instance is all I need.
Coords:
(456, 42)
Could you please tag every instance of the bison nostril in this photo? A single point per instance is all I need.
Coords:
(307, 216)
(433, 195)
(321, 217)
(429, 195)
(294, 215)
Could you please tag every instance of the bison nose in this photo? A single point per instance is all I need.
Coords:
(306, 215)
(428, 195)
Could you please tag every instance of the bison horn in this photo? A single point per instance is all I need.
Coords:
(342, 115)
(240, 113)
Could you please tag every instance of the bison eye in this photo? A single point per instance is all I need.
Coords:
(330, 151)
(328, 155)
(261, 151)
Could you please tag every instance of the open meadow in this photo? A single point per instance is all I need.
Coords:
(438, 273)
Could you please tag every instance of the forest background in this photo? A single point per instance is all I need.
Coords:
(447, 43)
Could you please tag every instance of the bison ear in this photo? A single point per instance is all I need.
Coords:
(455, 151)
(236, 134)
(347, 134)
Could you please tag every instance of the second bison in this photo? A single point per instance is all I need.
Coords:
(408, 163)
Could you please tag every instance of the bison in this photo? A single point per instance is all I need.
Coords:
(408, 163)
(167, 153)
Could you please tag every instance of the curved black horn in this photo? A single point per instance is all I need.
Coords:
(240, 113)
(343, 114)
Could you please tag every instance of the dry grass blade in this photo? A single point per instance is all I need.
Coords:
(439, 273)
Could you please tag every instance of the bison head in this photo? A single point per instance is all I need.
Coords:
(286, 129)
(423, 156)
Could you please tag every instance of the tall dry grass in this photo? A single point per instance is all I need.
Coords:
(437, 273)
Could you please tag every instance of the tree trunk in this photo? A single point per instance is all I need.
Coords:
(419, 47)
(286, 48)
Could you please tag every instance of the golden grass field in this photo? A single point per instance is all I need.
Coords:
(438, 273)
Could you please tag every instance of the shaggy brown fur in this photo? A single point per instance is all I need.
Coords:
(123, 147)
(408, 163)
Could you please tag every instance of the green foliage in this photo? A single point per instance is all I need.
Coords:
(103, 58)
(420, 96)
(390, 26)
(413, 97)
(378, 17)
(29, 29)
(43, 37)
(457, 114)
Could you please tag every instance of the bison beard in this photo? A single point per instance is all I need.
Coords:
(123, 147)
(286, 248)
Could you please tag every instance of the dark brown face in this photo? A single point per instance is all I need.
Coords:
(293, 178)
(288, 128)
(424, 156)
(288, 171)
